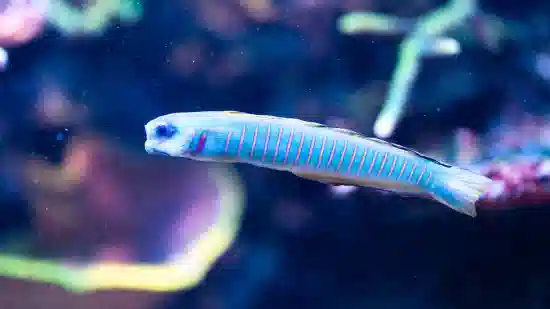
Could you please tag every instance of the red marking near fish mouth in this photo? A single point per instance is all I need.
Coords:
(202, 143)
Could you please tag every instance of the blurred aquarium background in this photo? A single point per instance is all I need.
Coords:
(89, 220)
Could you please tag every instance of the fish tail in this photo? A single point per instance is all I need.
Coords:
(460, 189)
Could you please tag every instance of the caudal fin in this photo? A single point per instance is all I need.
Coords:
(460, 189)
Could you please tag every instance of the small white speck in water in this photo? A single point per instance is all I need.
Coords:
(3, 58)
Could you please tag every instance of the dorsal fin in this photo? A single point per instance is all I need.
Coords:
(236, 113)
(269, 117)
(349, 132)
(254, 115)
(412, 151)
(380, 141)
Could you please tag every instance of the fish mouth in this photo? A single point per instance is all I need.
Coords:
(158, 152)
(151, 149)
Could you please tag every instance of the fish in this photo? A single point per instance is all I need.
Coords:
(313, 151)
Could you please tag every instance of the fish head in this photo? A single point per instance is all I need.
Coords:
(170, 135)
(199, 135)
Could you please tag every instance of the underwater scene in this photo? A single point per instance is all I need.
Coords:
(274, 154)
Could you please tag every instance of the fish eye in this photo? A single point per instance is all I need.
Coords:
(165, 131)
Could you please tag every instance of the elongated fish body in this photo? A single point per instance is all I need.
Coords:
(313, 151)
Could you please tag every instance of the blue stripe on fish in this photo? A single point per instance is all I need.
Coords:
(278, 146)
(349, 160)
(311, 151)
(301, 159)
(254, 142)
(373, 163)
(299, 150)
(330, 159)
(359, 160)
(289, 143)
(242, 142)
(364, 168)
(274, 142)
(232, 143)
(419, 179)
(296, 150)
(403, 167)
(414, 168)
(393, 164)
(264, 137)
(265, 143)
(399, 162)
(380, 167)
(342, 152)
(227, 142)
(321, 153)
